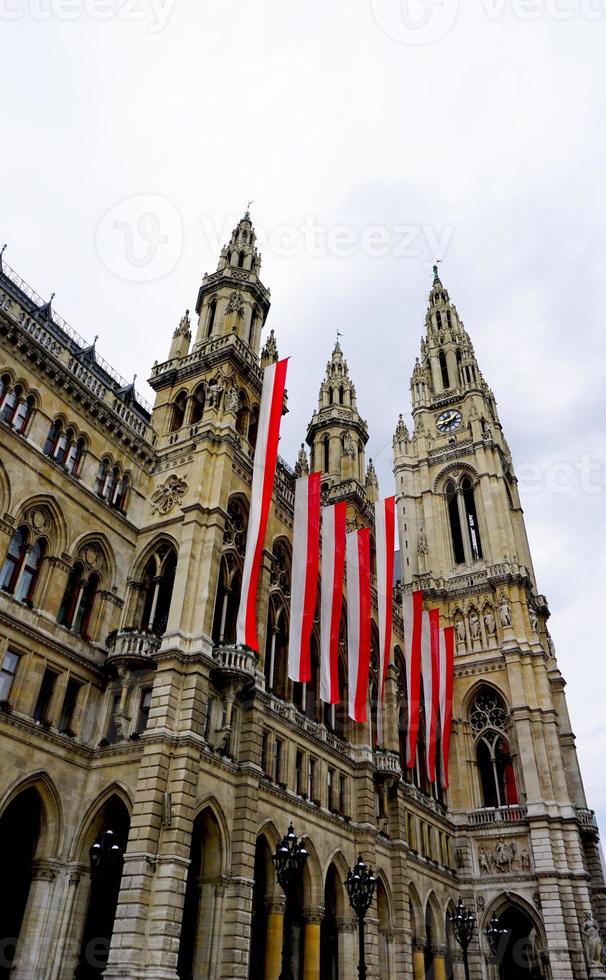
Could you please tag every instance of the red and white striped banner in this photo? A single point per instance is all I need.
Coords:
(413, 633)
(430, 668)
(305, 561)
(264, 470)
(446, 687)
(331, 598)
(385, 546)
(358, 621)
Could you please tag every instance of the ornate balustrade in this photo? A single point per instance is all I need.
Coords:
(388, 762)
(132, 645)
(497, 815)
(235, 661)
(587, 819)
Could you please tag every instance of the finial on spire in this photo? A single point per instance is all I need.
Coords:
(436, 276)
(95, 339)
(2, 253)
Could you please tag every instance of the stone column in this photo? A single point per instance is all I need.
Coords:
(439, 965)
(33, 946)
(418, 963)
(274, 939)
(311, 959)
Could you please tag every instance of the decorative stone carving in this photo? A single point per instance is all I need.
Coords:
(235, 527)
(534, 619)
(349, 446)
(505, 612)
(39, 520)
(236, 303)
(231, 401)
(213, 390)
(460, 631)
(270, 350)
(474, 625)
(505, 857)
(422, 545)
(169, 495)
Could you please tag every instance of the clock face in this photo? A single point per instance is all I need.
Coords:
(449, 421)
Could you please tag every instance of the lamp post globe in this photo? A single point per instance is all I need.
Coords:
(289, 860)
(361, 884)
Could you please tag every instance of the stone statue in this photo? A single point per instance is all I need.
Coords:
(422, 546)
(349, 446)
(231, 401)
(213, 393)
(490, 623)
(534, 619)
(474, 625)
(485, 867)
(594, 948)
(460, 627)
(505, 612)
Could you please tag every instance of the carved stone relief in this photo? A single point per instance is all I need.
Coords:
(169, 494)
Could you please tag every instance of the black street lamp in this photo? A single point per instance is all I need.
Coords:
(360, 884)
(289, 860)
(463, 922)
(495, 933)
(106, 855)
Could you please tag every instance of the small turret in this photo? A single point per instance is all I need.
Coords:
(181, 338)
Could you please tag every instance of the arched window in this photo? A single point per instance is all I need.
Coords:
(78, 601)
(439, 319)
(212, 312)
(326, 453)
(242, 415)
(488, 718)
(23, 413)
(10, 403)
(31, 569)
(449, 319)
(455, 523)
(252, 328)
(471, 518)
(5, 382)
(241, 259)
(199, 397)
(178, 411)
(14, 560)
(253, 425)
(444, 370)
(157, 590)
(74, 456)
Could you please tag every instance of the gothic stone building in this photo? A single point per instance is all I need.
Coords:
(149, 767)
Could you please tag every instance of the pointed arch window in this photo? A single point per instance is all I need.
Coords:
(439, 319)
(454, 518)
(212, 312)
(471, 517)
(158, 582)
(199, 397)
(444, 370)
(78, 601)
(23, 414)
(31, 569)
(74, 456)
(178, 413)
(488, 718)
(10, 402)
(14, 560)
(253, 425)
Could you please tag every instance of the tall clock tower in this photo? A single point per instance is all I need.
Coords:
(517, 796)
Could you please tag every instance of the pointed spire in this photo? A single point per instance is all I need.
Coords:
(46, 310)
(436, 277)
(184, 328)
(372, 483)
(302, 465)
(269, 354)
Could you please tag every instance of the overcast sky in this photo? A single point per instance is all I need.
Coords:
(373, 136)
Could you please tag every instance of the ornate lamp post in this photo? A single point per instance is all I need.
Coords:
(105, 854)
(494, 933)
(360, 884)
(289, 861)
(463, 922)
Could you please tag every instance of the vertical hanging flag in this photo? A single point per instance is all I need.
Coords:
(430, 666)
(385, 545)
(331, 599)
(264, 470)
(358, 621)
(305, 561)
(413, 632)
(446, 686)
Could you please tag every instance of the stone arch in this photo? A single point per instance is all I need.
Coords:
(94, 538)
(474, 690)
(5, 490)
(383, 880)
(82, 839)
(340, 865)
(58, 535)
(511, 902)
(417, 921)
(455, 472)
(313, 880)
(433, 908)
(151, 548)
(51, 840)
(269, 831)
(213, 806)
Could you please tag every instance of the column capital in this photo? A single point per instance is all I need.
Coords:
(315, 914)
(276, 906)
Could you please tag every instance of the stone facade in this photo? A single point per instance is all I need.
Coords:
(150, 767)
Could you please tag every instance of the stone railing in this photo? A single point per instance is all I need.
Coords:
(422, 799)
(587, 819)
(132, 644)
(495, 815)
(237, 661)
(388, 762)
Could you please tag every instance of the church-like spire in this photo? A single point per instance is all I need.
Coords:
(337, 434)
(233, 300)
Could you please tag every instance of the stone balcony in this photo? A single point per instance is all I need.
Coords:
(132, 647)
(233, 663)
(490, 816)
(388, 763)
(587, 820)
